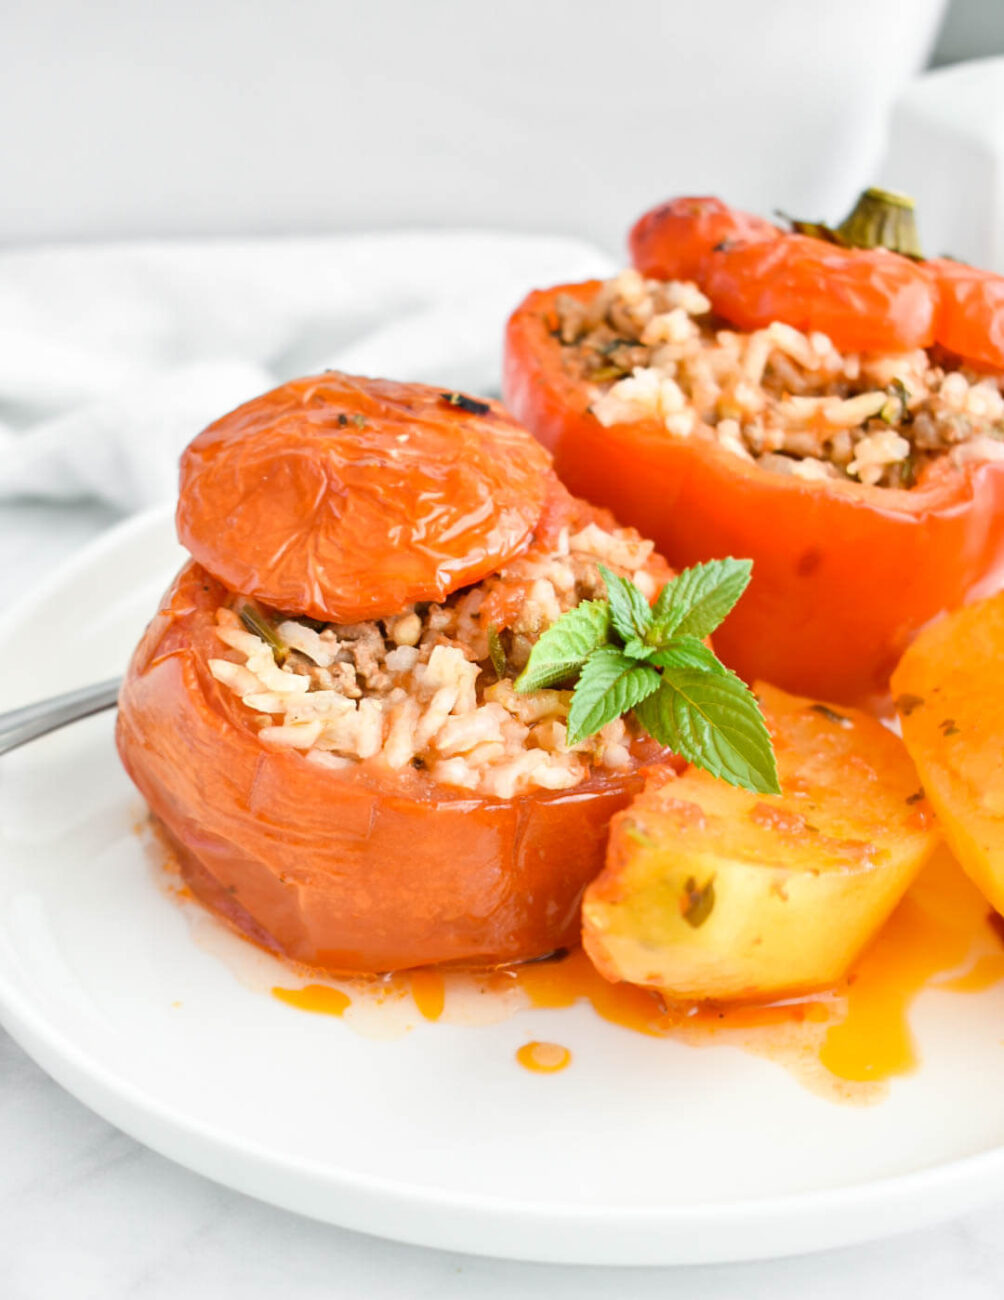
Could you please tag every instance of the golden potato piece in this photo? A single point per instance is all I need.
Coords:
(710, 892)
(949, 692)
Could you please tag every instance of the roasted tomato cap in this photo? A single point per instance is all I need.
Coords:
(864, 300)
(675, 240)
(970, 319)
(344, 498)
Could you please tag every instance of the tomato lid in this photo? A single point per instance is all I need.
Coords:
(864, 300)
(344, 498)
(970, 320)
(674, 240)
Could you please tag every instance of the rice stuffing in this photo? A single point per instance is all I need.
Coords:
(420, 690)
(787, 400)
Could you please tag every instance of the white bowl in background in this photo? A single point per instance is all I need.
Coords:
(946, 148)
(211, 116)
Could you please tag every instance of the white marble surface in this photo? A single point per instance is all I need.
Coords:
(88, 1214)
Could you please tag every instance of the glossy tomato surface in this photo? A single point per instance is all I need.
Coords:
(970, 312)
(844, 575)
(865, 300)
(345, 499)
(754, 273)
(364, 870)
(675, 240)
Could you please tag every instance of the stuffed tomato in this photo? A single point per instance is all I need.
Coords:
(807, 405)
(322, 715)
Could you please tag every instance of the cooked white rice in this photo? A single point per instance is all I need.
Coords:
(419, 690)
(787, 400)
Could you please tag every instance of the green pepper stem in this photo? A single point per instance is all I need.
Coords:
(882, 219)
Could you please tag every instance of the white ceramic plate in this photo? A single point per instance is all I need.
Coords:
(644, 1151)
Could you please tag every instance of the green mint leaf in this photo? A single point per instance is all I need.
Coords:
(610, 685)
(630, 612)
(713, 721)
(656, 715)
(695, 602)
(680, 692)
(687, 652)
(565, 646)
(635, 648)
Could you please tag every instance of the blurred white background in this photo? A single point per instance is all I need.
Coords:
(553, 115)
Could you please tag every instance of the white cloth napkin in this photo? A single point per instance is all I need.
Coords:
(113, 357)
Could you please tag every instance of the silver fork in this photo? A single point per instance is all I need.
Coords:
(21, 725)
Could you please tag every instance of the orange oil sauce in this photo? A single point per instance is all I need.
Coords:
(543, 1058)
(323, 998)
(844, 1042)
(855, 1036)
(943, 929)
(428, 988)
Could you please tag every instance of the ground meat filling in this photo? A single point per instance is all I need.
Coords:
(787, 400)
(433, 687)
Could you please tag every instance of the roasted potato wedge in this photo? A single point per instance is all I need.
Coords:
(949, 693)
(710, 892)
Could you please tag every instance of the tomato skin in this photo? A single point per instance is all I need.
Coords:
(864, 300)
(844, 575)
(674, 240)
(971, 312)
(346, 499)
(343, 870)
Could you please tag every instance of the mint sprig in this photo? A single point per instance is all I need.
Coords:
(625, 655)
(609, 685)
(700, 598)
(562, 651)
(630, 612)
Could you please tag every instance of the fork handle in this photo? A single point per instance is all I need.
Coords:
(21, 725)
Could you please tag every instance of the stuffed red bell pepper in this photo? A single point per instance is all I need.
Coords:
(832, 410)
